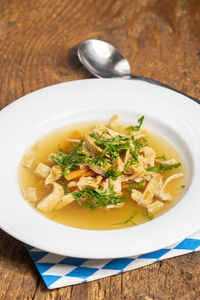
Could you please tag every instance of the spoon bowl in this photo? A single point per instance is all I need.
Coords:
(103, 60)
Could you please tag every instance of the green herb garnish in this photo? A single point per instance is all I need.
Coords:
(144, 140)
(163, 167)
(112, 147)
(111, 186)
(130, 163)
(97, 198)
(111, 173)
(136, 127)
(138, 185)
(133, 215)
(134, 152)
(98, 160)
(183, 186)
(130, 219)
(161, 157)
(69, 160)
(148, 216)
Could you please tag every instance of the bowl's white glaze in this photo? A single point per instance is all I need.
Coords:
(168, 113)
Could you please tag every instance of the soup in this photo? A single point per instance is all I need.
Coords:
(101, 177)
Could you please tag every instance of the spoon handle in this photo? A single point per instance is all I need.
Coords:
(152, 81)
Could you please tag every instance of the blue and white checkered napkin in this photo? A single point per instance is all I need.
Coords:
(58, 271)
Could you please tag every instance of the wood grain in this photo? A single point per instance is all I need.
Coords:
(38, 41)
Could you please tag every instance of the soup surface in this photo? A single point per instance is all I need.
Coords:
(132, 190)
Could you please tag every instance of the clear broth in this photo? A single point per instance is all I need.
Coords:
(101, 218)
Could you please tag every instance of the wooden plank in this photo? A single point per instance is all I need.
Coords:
(18, 275)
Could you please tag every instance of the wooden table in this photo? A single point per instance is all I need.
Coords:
(38, 41)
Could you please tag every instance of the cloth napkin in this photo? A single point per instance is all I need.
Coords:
(58, 271)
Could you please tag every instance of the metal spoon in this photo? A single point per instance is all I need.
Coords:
(105, 61)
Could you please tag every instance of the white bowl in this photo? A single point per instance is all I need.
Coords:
(168, 113)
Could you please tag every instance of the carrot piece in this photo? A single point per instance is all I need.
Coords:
(124, 187)
(76, 174)
(73, 189)
(76, 135)
(90, 173)
(67, 146)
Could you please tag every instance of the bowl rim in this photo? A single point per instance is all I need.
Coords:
(16, 223)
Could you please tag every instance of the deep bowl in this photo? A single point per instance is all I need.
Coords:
(22, 123)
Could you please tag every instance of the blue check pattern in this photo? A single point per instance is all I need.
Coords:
(58, 271)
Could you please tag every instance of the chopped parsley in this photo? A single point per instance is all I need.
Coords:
(113, 146)
(111, 173)
(69, 160)
(111, 150)
(183, 186)
(131, 186)
(130, 219)
(161, 157)
(134, 152)
(98, 160)
(138, 185)
(163, 167)
(134, 213)
(144, 140)
(131, 162)
(150, 217)
(97, 198)
(136, 127)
